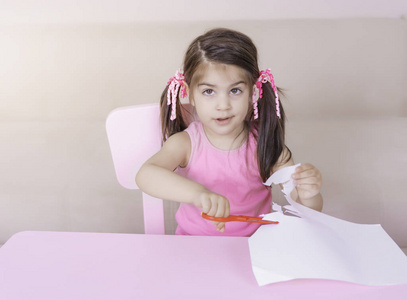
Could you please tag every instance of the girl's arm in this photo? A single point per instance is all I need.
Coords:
(308, 181)
(157, 178)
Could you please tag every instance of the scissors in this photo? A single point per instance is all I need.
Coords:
(238, 219)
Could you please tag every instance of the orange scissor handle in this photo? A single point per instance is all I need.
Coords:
(237, 219)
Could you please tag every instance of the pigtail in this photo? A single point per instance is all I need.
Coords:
(170, 126)
(270, 131)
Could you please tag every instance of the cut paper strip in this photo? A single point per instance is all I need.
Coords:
(318, 246)
(282, 176)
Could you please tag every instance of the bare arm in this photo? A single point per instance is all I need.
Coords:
(157, 178)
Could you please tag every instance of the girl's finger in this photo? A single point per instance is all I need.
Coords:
(220, 212)
(214, 209)
(206, 206)
(220, 227)
(225, 211)
(309, 189)
(308, 180)
(306, 173)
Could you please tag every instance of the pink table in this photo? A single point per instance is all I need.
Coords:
(59, 265)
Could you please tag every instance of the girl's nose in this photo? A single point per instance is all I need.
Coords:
(223, 103)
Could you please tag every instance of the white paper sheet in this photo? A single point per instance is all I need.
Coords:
(310, 244)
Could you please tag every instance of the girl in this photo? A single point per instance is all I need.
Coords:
(218, 164)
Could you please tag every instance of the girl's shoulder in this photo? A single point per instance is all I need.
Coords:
(178, 139)
(178, 147)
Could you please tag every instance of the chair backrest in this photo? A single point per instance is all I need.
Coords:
(134, 135)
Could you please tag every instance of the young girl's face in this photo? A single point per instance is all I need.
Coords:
(221, 96)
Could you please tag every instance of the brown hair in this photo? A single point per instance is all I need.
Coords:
(230, 47)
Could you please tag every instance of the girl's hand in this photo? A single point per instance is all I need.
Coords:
(214, 205)
(308, 181)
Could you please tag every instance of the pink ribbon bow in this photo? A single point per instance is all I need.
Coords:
(175, 83)
(265, 76)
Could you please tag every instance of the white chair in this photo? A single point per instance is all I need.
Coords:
(134, 134)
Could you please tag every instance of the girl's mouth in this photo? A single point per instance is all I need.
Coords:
(223, 121)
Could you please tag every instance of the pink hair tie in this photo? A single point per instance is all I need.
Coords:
(175, 83)
(265, 76)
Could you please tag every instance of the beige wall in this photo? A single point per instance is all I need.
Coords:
(345, 83)
(116, 11)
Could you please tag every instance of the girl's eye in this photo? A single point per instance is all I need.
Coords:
(236, 91)
(208, 92)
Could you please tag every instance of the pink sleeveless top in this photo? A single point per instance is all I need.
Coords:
(233, 174)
